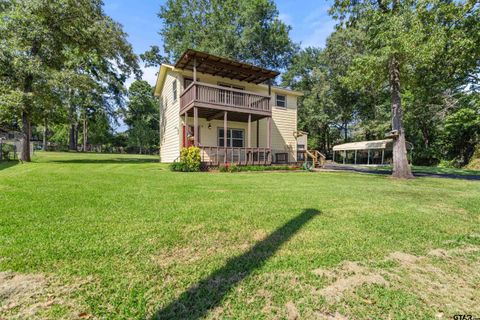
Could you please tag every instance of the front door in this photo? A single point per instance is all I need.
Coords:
(188, 136)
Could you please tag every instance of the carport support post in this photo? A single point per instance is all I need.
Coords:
(368, 157)
(333, 157)
(383, 154)
(344, 155)
(195, 126)
(355, 156)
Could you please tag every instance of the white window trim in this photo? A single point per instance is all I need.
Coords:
(175, 90)
(228, 145)
(276, 104)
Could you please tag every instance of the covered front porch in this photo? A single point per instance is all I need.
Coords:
(245, 142)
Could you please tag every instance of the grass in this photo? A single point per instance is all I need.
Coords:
(120, 236)
(431, 170)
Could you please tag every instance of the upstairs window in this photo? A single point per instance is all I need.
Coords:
(174, 90)
(281, 100)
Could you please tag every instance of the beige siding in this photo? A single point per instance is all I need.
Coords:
(170, 120)
(284, 126)
(284, 120)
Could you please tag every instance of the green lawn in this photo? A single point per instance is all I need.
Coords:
(431, 170)
(122, 237)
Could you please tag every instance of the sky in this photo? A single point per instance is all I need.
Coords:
(309, 19)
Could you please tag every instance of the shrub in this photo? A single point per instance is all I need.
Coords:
(8, 151)
(177, 166)
(234, 168)
(190, 160)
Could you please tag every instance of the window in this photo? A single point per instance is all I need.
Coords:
(300, 146)
(235, 137)
(174, 90)
(281, 157)
(281, 101)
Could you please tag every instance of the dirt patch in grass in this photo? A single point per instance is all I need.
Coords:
(26, 296)
(349, 276)
(445, 281)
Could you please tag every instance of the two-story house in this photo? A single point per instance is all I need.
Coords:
(226, 108)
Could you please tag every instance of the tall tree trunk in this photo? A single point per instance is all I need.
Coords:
(25, 154)
(72, 144)
(76, 136)
(26, 130)
(85, 133)
(401, 168)
(27, 108)
(45, 133)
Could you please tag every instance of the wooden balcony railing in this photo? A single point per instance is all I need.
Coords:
(222, 96)
(215, 156)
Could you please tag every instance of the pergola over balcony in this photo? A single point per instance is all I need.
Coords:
(208, 63)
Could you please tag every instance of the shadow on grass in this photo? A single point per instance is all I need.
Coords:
(195, 302)
(432, 172)
(7, 164)
(106, 161)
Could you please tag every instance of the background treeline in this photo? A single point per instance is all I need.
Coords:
(347, 90)
(64, 65)
(63, 69)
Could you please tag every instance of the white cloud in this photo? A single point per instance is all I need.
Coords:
(320, 30)
(286, 18)
(149, 75)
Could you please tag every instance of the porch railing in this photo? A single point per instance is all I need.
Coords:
(223, 96)
(215, 156)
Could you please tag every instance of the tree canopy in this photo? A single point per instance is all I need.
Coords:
(348, 85)
(245, 30)
(47, 46)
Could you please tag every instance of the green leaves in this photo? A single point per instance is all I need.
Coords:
(250, 31)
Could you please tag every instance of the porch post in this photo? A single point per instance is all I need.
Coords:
(195, 126)
(249, 130)
(269, 136)
(249, 141)
(269, 132)
(194, 69)
(333, 157)
(368, 157)
(344, 155)
(383, 155)
(185, 131)
(355, 156)
(225, 135)
(258, 133)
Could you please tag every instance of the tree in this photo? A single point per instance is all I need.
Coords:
(245, 30)
(462, 129)
(40, 37)
(400, 36)
(141, 116)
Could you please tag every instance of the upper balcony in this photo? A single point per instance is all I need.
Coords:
(209, 99)
(208, 96)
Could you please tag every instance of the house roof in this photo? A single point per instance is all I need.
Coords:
(364, 145)
(223, 67)
(165, 67)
